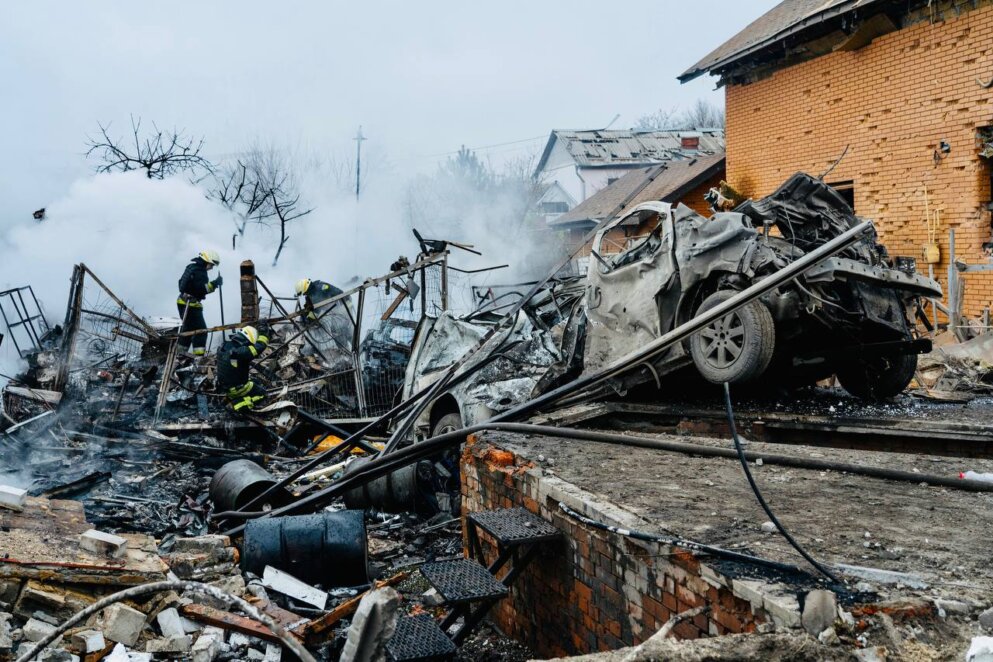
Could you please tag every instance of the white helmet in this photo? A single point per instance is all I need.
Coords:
(210, 257)
(251, 333)
(302, 286)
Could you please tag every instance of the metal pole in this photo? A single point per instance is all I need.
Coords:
(358, 161)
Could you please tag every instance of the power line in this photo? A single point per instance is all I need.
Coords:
(479, 149)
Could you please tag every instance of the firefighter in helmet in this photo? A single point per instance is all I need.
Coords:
(194, 286)
(234, 361)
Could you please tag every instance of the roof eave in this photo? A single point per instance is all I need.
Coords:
(799, 26)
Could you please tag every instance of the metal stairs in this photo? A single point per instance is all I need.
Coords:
(468, 587)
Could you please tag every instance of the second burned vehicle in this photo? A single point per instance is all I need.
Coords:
(848, 316)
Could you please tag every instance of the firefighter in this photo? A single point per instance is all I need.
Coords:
(314, 292)
(194, 286)
(234, 360)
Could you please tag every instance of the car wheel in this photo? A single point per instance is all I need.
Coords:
(737, 347)
(447, 423)
(880, 378)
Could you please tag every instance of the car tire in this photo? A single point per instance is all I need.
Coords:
(447, 423)
(879, 379)
(736, 348)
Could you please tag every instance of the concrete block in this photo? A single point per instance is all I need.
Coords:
(6, 638)
(819, 611)
(208, 645)
(170, 623)
(783, 608)
(287, 584)
(254, 655)
(273, 653)
(181, 644)
(123, 624)
(56, 655)
(35, 630)
(12, 498)
(88, 641)
(372, 626)
(9, 590)
(986, 619)
(103, 544)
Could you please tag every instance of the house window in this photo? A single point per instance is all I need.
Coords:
(847, 191)
(554, 207)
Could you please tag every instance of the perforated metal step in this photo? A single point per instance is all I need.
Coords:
(463, 580)
(419, 639)
(515, 526)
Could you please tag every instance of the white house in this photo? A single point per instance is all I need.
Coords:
(583, 162)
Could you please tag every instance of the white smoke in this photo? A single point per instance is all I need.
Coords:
(138, 234)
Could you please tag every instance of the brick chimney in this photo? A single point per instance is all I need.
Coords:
(690, 142)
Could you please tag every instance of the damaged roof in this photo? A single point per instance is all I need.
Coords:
(675, 180)
(629, 148)
(786, 19)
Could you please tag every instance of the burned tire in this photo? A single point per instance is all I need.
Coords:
(447, 423)
(736, 348)
(880, 378)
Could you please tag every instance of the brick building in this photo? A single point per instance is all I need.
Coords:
(903, 85)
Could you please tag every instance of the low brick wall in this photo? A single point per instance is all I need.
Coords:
(595, 590)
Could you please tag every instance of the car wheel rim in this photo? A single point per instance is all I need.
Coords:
(723, 341)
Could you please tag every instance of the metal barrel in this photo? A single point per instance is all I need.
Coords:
(326, 548)
(395, 492)
(237, 483)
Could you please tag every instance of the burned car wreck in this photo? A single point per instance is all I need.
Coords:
(848, 316)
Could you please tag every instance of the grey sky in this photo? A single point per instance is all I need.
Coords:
(421, 77)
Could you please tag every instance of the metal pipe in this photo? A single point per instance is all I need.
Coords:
(386, 464)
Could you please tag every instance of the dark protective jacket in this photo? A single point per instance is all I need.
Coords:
(234, 359)
(194, 282)
(320, 291)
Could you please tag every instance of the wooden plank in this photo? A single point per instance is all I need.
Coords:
(229, 621)
(320, 625)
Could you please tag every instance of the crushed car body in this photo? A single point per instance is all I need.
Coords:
(847, 317)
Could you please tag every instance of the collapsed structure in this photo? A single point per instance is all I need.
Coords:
(357, 471)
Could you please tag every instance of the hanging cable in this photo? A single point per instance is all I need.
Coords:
(758, 495)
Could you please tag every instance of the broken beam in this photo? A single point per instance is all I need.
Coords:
(320, 625)
(232, 622)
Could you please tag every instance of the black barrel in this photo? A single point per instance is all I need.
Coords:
(327, 548)
(396, 492)
(238, 482)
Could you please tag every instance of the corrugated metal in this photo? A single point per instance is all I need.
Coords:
(612, 148)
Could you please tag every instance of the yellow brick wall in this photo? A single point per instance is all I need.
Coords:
(892, 102)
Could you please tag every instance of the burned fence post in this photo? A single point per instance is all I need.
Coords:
(249, 293)
(73, 313)
(357, 354)
(444, 283)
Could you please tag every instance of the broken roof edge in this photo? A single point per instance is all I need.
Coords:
(796, 27)
(679, 189)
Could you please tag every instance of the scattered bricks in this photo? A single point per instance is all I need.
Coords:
(170, 623)
(819, 611)
(103, 544)
(35, 630)
(122, 624)
(88, 641)
(208, 644)
(169, 645)
(12, 498)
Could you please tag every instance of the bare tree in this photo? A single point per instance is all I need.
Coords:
(277, 191)
(240, 190)
(159, 153)
(701, 115)
(661, 119)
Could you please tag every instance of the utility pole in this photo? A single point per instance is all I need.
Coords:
(358, 161)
